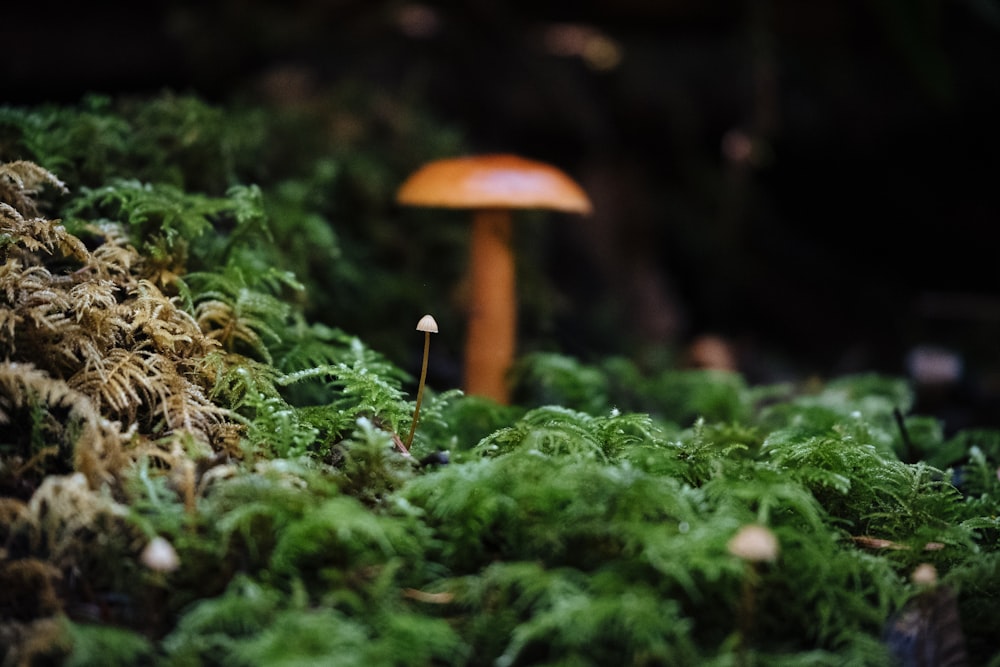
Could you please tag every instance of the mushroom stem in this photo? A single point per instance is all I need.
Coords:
(420, 390)
(753, 544)
(490, 340)
(747, 611)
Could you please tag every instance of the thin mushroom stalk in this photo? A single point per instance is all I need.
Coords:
(754, 545)
(428, 325)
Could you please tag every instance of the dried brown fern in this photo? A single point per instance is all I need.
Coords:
(62, 510)
(89, 336)
(20, 225)
(20, 183)
(232, 329)
(22, 384)
(42, 416)
(122, 382)
(41, 321)
(114, 258)
(157, 321)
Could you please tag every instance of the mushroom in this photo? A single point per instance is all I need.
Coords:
(159, 555)
(427, 325)
(491, 186)
(754, 545)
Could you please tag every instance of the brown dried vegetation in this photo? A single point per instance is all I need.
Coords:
(100, 364)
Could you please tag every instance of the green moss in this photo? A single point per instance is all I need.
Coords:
(165, 345)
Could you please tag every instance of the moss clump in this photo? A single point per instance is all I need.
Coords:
(163, 379)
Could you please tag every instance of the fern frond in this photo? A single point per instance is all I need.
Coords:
(769, 498)
(364, 393)
(38, 411)
(237, 381)
(35, 234)
(114, 257)
(150, 209)
(234, 328)
(121, 381)
(240, 311)
(277, 429)
(158, 321)
(22, 383)
(147, 387)
(863, 488)
(548, 431)
(256, 391)
(92, 295)
(564, 433)
(21, 181)
(185, 406)
(34, 288)
(312, 345)
(168, 224)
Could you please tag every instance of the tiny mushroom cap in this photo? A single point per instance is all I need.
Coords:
(428, 324)
(491, 186)
(924, 574)
(160, 556)
(754, 543)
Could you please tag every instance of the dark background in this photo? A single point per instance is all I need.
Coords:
(813, 181)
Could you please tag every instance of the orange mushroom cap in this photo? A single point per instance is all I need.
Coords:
(493, 181)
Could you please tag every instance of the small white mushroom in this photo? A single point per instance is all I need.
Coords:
(428, 325)
(924, 574)
(755, 544)
(160, 556)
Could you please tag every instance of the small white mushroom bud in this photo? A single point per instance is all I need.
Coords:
(754, 543)
(924, 574)
(160, 556)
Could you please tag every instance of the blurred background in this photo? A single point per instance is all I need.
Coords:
(794, 189)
